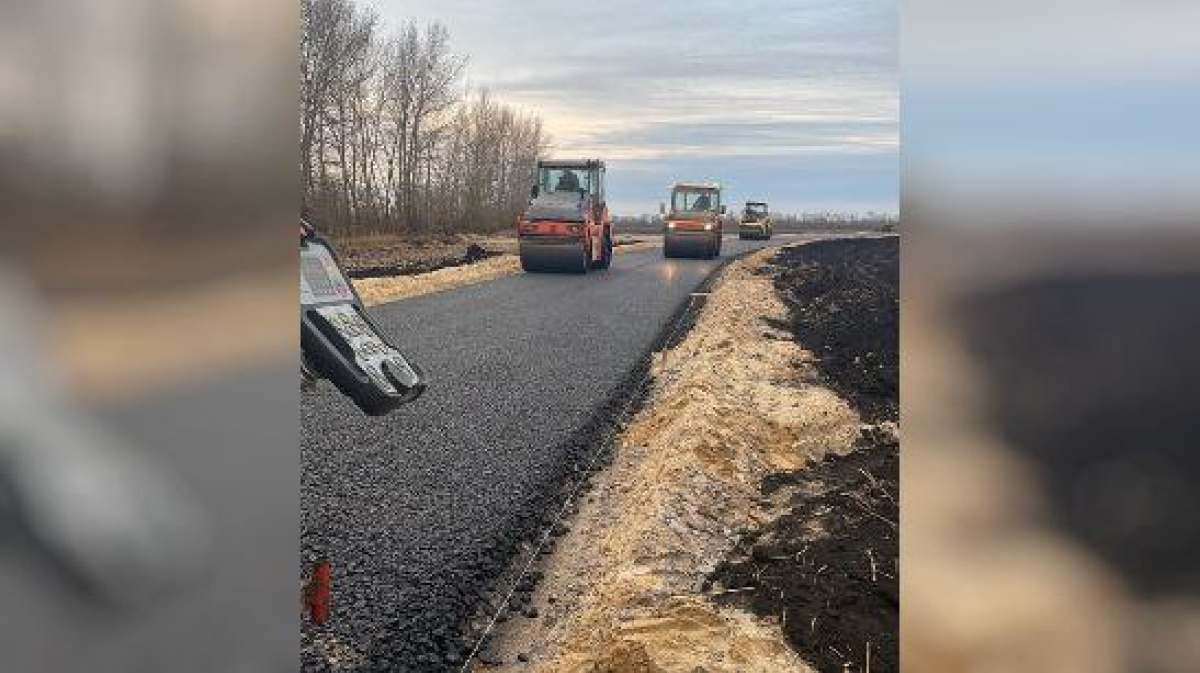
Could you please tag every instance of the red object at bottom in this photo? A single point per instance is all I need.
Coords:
(316, 593)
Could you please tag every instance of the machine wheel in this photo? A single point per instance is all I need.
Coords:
(606, 253)
(667, 251)
(585, 259)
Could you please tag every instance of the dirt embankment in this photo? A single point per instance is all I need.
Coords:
(628, 587)
(828, 566)
(384, 256)
(843, 298)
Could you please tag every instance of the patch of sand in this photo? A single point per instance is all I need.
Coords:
(621, 591)
(376, 291)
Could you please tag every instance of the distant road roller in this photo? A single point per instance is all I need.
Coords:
(567, 226)
(755, 221)
(694, 221)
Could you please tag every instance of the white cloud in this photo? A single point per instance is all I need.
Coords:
(696, 81)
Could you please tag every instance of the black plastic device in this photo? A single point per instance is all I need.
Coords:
(338, 340)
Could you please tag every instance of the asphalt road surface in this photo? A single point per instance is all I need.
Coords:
(417, 512)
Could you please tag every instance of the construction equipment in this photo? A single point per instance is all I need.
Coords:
(339, 341)
(694, 222)
(756, 221)
(567, 226)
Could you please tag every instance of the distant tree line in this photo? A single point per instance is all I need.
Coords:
(827, 219)
(392, 141)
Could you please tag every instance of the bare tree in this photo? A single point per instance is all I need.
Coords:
(335, 40)
(389, 139)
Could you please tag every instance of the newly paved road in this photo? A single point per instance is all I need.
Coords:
(417, 511)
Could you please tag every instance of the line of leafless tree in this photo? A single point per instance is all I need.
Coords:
(390, 138)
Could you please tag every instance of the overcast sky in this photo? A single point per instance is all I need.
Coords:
(790, 101)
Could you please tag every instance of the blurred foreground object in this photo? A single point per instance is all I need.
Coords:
(1046, 518)
(148, 195)
(109, 517)
(1051, 269)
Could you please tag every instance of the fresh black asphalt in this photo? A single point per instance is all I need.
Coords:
(419, 511)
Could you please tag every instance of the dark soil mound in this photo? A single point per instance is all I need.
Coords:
(829, 567)
(1093, 380)
(358, 268)
(844, 299)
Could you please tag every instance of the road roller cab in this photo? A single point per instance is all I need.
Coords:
(694, 221)
(567, 226)
(755, 221)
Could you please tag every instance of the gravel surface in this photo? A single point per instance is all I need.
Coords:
(419, 512)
